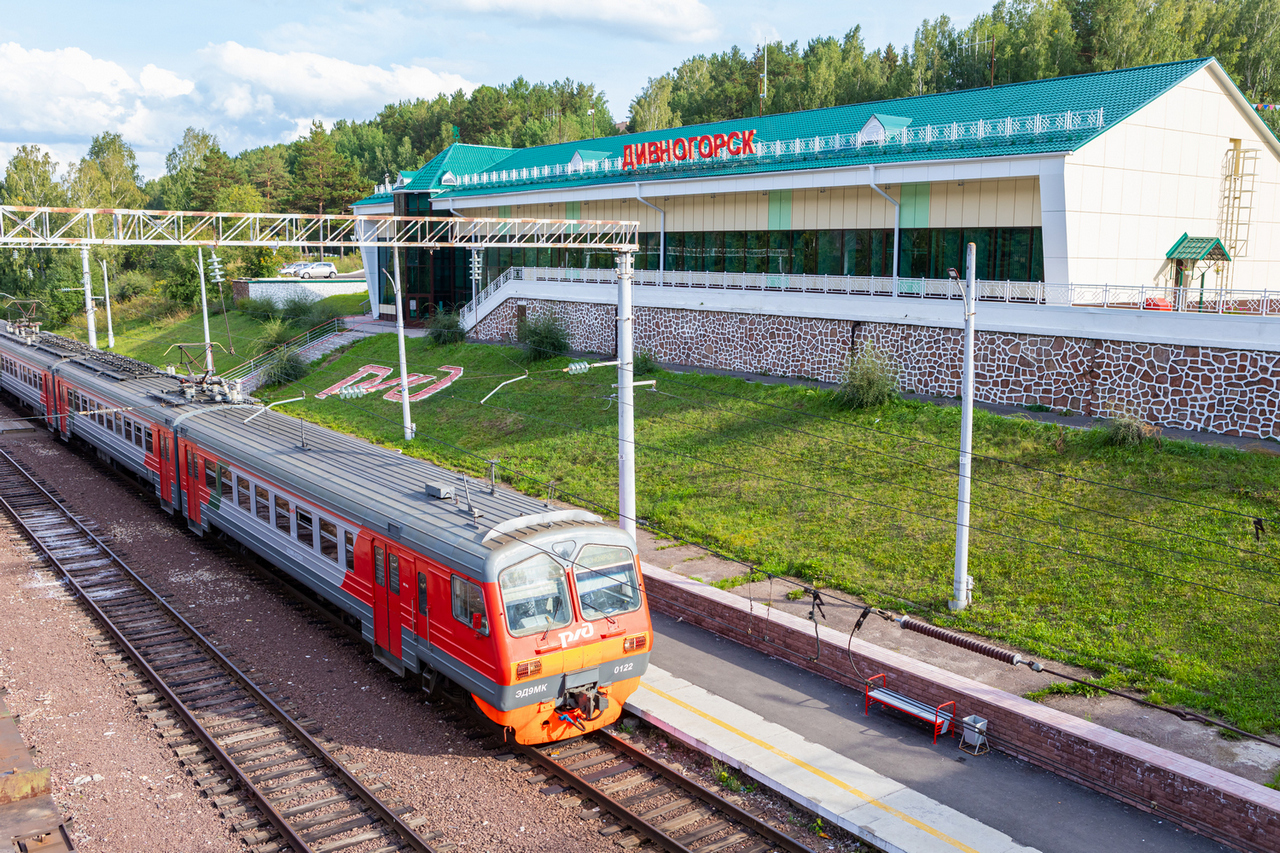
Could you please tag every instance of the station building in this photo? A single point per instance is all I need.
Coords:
(1088, 180)
(784, 244)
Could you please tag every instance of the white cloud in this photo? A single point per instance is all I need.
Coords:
(60, 93)
(334, 86)
(661, 20)
(246, 96)
(165, 84)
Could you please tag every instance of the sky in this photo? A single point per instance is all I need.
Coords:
(258, 73)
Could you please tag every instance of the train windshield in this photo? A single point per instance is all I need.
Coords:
(606, 581)
(535, 596)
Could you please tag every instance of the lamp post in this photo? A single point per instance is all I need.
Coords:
(106, 296)
(962, 586)
(626, 401)
(88, 297)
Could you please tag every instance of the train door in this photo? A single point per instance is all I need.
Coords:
(388, 569)
(165, 452)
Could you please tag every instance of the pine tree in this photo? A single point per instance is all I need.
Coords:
(324, 180)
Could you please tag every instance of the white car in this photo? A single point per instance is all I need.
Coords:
(318, 270)
(293, 268)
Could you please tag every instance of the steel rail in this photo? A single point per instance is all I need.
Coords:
(628, 817)
(291, 837)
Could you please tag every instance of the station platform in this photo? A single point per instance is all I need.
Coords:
(843, 792)
(878, 776)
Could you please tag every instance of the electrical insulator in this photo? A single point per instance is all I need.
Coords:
(578, 367)
(351, 392)
(215, 266)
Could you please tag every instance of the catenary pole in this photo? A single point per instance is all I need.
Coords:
(106, 298)
(626, 401)
(88, 297)
(404, 370)
(962, 587)
(204, 313)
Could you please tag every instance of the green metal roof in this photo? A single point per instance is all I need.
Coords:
(1067, 105)
(376, 198)
(891, 124)
(1198, 249)
(457, 159)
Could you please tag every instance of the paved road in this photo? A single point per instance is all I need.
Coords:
(1034, 807)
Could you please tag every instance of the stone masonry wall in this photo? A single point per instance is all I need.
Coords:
(1213, 802)
(1227, 391)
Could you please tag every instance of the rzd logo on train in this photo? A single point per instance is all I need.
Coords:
(567, 637)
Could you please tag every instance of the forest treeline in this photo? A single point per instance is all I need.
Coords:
(329, 168)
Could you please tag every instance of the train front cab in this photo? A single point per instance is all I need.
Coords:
(571, 621)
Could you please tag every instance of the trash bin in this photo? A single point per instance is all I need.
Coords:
(974, 736)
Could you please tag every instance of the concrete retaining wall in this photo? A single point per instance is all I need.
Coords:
(1206, 800)
(281, 289)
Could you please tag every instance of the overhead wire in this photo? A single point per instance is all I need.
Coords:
(927, 442)
(1013, 513)
(834, 493)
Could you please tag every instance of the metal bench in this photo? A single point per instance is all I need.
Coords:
(940, 719)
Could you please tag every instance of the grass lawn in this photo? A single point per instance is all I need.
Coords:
(1170, 594)
(150, 338)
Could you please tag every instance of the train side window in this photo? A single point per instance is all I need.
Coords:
(224, 477)
(282, 516)
(242, 494)
(148, 441)
(128, 431)
(193, 468)
(262, 504)
(422, 593)
(210, 476)
(349, 542)
(137, 434)
(468, 604)
(379, 568)
(393, 573)
(305, 534)
(100, 415)
(329, 539)
(119, 424)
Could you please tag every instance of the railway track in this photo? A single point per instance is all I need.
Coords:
(640, 799)
(232, 737)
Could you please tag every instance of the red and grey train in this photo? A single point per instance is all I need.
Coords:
(539, 614)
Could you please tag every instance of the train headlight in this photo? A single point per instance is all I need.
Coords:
(528, 669)
(635, 643)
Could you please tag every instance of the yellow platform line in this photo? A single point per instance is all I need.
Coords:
(822, 774)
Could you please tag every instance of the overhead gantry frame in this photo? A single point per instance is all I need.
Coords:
(63, 228)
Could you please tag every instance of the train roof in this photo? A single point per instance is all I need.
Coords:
(376, 487)
(387, 492)
(50, 349)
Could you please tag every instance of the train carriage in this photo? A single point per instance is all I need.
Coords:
(538, 614)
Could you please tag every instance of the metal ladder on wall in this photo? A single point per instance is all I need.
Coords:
(1240, 167)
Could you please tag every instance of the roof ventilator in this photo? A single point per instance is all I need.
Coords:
(442, 491)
